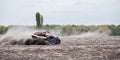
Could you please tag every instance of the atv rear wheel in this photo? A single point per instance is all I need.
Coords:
(39, 42)
(29, 42)
(35, 42)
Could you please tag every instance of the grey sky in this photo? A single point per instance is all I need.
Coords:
(22, 12)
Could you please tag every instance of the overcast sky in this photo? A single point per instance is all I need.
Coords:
(22, 12)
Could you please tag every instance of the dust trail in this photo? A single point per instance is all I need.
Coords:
(16, 35)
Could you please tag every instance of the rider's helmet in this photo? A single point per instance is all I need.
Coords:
(37, 33)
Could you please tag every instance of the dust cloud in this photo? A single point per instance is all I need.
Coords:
(17, 35)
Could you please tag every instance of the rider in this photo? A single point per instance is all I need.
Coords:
(45, 34)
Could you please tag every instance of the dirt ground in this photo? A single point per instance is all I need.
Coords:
(71, 48)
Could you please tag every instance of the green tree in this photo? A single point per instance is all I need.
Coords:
(3, 29)
(39, 20)
(115, 30)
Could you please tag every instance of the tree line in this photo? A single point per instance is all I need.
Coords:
(75, 29)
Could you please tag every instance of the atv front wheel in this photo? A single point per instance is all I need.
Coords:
(52, 41)
(58, 41)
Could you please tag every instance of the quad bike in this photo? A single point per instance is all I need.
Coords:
(41, 40)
